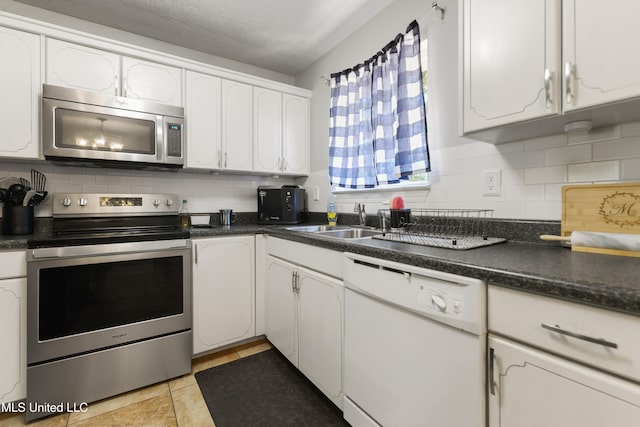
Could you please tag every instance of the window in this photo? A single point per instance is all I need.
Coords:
(378, 133)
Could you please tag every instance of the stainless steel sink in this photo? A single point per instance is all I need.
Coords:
(314, 228)
(350, 233)
(337, 232)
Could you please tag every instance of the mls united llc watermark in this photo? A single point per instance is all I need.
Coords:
(44, 407)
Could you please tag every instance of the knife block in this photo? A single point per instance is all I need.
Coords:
(17, 220)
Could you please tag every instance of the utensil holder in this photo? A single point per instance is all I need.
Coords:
(17, 219)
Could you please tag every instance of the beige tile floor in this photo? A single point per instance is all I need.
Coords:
(177, 402)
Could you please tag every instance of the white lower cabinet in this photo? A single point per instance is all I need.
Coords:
(223, 291)
(304, 321)
(533, 388)
(13, 318)
(555, 364)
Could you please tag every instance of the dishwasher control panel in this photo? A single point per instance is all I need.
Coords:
(440, 299)
(448, 298)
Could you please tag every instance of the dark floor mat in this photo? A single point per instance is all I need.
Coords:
(265, 390)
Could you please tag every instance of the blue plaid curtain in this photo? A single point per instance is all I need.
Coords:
(351, 150)
(377, 132)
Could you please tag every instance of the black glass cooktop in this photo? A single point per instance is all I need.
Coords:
(95, 231)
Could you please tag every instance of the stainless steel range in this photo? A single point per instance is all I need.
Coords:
(108, 300)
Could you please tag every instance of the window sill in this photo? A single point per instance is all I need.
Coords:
(392, 188)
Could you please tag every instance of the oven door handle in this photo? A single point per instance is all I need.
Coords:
(106, 249)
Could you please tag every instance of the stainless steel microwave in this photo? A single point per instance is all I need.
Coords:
(90, 128)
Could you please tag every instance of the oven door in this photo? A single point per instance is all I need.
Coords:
(86, 298)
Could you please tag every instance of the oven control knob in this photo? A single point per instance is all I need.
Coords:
(169, 202)
(66, 202)
(82, 201)
(156, 202)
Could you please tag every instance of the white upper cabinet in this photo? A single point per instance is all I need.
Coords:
(77, 66)
(281, 133)
(237, 126)
(531, 67)
(204, 124)
(151, 81)
(295, 142)
(511, 54)
(81, 67)
(267, 119)
(20, 89)
(600, 61)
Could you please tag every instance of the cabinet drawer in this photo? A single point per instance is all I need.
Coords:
(601, 338)
(323, 260)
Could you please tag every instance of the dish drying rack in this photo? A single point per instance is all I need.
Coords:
(443, 228)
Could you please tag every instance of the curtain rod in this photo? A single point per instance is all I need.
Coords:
(436, 8)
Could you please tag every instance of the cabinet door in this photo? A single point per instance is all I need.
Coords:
(600, 50)
(151, 81)
(281, 308)
(508, 49)
(20, 88)
(76, 66)
(237, 126)
(295, 135)
(533, 389)
(223, 291)
(321, 302)
(267, 121)
(13, 317)
(203, 96)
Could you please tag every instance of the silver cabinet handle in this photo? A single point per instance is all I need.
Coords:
(569, 72)
(226, 159)
(195, 253)
(293, 282)
(492, 383)
(219, 159)
(547, 87)
(599, 341)
(116, 85)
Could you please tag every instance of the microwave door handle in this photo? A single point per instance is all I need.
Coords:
(161, 139)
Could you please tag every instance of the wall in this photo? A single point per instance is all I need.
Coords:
(533, 171)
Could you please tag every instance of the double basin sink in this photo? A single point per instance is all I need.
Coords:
(336, 232)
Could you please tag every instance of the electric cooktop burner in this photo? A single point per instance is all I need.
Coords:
(90, 219)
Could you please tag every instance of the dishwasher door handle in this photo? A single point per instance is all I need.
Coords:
(600, 341)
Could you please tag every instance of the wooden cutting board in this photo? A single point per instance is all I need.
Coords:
(608, 208)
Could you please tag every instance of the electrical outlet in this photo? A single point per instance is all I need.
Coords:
(316, 194)
(492, 183)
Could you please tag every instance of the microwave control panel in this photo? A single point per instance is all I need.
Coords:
(174, 139)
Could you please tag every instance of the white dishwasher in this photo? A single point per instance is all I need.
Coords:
(414, 350)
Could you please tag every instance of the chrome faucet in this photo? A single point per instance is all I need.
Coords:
(362, 215)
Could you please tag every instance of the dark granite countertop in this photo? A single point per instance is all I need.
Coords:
(606, 281)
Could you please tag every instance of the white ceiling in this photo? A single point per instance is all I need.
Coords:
(286, 36)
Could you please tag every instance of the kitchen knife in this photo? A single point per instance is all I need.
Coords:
(620, 241)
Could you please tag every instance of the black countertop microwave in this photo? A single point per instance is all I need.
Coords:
(282, 205)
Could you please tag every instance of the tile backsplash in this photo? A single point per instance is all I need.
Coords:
(532, 173)
(205, 192)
